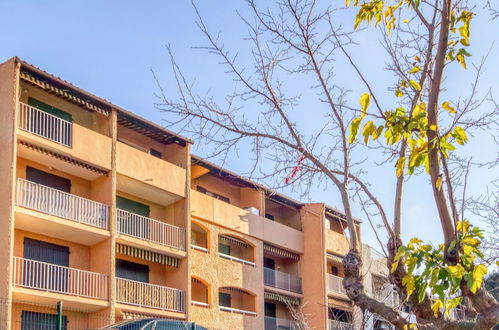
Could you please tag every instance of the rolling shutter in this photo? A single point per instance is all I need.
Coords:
(132, 271)
(50, 109)
(48, 179)
(132, 206)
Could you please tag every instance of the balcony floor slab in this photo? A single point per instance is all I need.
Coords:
(53, 226)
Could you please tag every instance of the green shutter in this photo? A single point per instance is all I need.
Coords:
(49, 109)
(132, 206)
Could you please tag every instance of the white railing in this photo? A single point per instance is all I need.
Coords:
(151, 230)
(338, 325)
(235, 310)
(61, 204)
(44, 124)
(281, 280)
(39, 275)
(199, 303)
(246, 262)
(199, 248)
(149, 295)
(273, 323)
(335, 284)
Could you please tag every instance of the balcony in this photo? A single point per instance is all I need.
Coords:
(39, 275)
(274, 323)
(45, 125)
(338, 325)
(73, 140)
(140, 171)
(335, 285)
(336, 242)
(54, 202)
(280, 280)
(149, 295)
(150, 230)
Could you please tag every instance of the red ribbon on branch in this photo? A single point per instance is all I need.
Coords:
(295, 169)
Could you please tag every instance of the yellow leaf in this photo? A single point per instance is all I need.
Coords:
(377, 133)
(417, 59)
(478, 273)
(400, 166)
(433, 127)
(369, 128)
(456, 271)
(439, 183)
(410, 284)
(415, 85)
(347, 3)
(415, 69)
(436, 306)
(364, 101)
(406, 21)
(446, 105)
(354, 129)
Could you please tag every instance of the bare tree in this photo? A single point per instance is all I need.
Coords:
(299, 316)
(303, 40)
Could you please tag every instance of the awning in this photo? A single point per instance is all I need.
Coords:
(126, 315)
(230, 288)
(334, 257)
(149, 130)
(147, 255)
(277, 251)
(62, 157)
(233, 240)
(67, 94)
(345, 305)
(281, 298)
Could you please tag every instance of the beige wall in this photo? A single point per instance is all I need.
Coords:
(8, 121)
(219, 272)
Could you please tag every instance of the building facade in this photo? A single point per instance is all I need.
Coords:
(113, 216)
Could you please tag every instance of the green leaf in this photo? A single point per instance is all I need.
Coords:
(422, 291)
(354, 130)
(364, 101)
(460, 135)
(415, 85)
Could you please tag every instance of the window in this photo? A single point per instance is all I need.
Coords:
(212, 194)
(48, 179)
(155, 153)
(334, 270)
(41, 321)
(132, 206)
(224, 248)
(270, 309)
(132, 271)
(224, 299)
(46, 252)
(269, 216)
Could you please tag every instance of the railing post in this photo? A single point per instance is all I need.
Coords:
(59, 315)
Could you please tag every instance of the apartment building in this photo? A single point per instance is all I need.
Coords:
(113, 216)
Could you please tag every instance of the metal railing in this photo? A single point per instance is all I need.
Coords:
(149, 295)
(151, 230)
(39, 275)
(51, 201)
(235, 310)
(338, 325)
(280, 280)
(199, 248)
(246, 262)
(335, 285)
(273, 323)
(44, 124)
(199, 303)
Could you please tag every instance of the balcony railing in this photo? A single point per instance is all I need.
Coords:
(246, 262)
(44, 124)
(236, 310)
(39, 275)
(150, 230)
(338, 325)
(335, 285)
(149, 295)
(273, 323)
(281, 280)
(61, 204)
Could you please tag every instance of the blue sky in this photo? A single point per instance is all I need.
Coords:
(109, 47)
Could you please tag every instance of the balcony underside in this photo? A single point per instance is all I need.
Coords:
(50, 161)
(145, 191)
(53, 226)
(51, 298)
